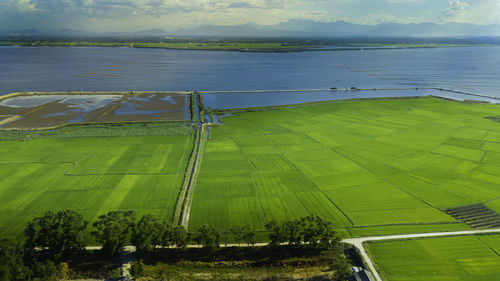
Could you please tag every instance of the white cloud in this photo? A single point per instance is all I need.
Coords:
(456, 9)
(26, 6)
(171, 14)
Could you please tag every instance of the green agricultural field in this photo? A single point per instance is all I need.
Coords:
(466, 258)
(380, 166)
(92, 169)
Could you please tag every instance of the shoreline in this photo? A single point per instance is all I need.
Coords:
(243, 49)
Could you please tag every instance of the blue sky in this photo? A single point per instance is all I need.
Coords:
(132, 15)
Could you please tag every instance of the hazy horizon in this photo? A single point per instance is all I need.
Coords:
(131, 16)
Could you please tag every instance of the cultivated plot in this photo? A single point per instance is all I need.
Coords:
(466, 258)
(75, 168)
(373, 167)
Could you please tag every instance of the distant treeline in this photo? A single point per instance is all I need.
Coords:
(56, 235)
(288, 41)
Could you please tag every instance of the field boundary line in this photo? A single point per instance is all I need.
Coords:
(189, 169)
(258, 196)
(37, 162)
(489, 247)
(180, 167)
(119, 174)
(186, 207)
(183, 206)
(390, 182)
(404, 224)
(321, 190)
(253, 179)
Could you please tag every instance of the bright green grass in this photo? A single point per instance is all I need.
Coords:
(466, 258)
(404, 229)
(93, 175)
(378, 163)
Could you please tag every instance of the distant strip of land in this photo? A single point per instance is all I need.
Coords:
(419, 45)
(174, 45)
(236, 46)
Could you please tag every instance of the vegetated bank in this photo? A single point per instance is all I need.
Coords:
(215, 46)
(257, 44)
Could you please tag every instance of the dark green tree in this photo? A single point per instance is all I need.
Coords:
(248, 235)
(58, 232)
(137, 269)
(146, 234)
(29, 244)
(11, 261)
(311, 230)
(180, 237)
(114, 230)
(276, 232)
(327, 236)
(166, 237)
(293, 229)
(208, 237)
(46, 271)
(237, 232)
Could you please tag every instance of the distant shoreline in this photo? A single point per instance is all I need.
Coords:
(238, 47)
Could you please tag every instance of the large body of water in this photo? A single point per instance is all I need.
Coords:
(474, 69)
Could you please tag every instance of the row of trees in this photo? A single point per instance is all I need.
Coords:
(59, 233)
(63, 232)
(313, 231)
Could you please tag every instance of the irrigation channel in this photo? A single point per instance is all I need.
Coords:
(202, 126)
(183, 205)
(203, 121)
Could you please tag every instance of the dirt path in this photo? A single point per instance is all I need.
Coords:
(128, 257)
(358, 242)
(186, 208)
(195, 164)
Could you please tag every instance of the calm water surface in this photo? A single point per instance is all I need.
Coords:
(123, 69)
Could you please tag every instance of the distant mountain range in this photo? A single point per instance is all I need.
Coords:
(294, 28)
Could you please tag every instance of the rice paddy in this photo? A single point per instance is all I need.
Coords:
(75, 168)
(450, 258)
(373, 166)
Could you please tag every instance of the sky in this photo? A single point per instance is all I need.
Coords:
(134, 15)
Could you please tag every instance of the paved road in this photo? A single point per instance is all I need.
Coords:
(128, 255)
(358, 242)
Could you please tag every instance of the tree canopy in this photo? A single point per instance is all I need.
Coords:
(114, 230)
(58, 232)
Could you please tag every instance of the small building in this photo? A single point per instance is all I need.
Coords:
(361, 274)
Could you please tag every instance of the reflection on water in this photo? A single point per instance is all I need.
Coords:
(42, 111)
(88, 103)
(473, 69)
(29, 101)
(243, 100)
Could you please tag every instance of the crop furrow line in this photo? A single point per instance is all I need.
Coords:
(321, 190)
